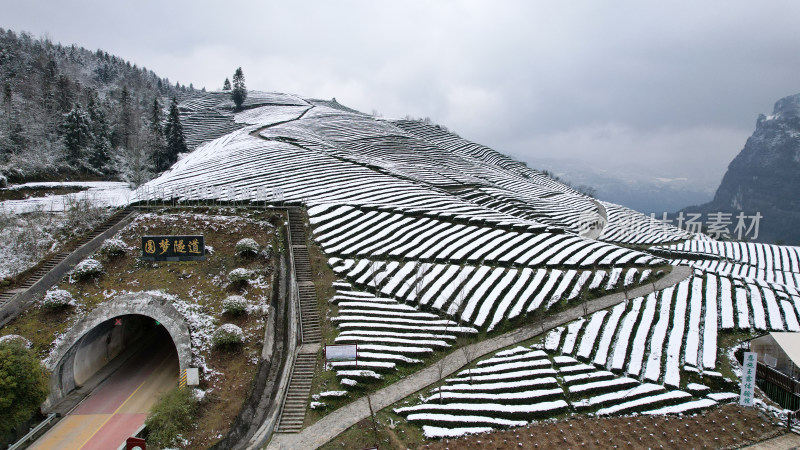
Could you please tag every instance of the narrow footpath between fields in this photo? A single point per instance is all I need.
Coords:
(343, 418)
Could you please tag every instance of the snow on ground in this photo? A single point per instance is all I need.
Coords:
(590, 334)
(31, 228)
(388, 333)
(100, 193)
(478, 236)
(553, 338)
(639, 344)
(677, 331)
(653, 368)
(463, 404)
(270, 115)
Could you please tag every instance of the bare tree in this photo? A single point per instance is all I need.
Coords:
(419, 280)
(376, 269)
(653, 284)
(374, 422)
(469, 354)
(625, 291)
(460, 296)
(585, 304)
(440, 364)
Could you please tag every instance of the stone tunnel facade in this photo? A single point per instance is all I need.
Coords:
(95, 340)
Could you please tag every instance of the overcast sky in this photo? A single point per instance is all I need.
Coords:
(671, 89)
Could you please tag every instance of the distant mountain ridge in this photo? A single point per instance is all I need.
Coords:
(633, 188)
(764, 178)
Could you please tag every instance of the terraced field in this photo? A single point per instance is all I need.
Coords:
(521, 384)
(387, 333)
(438, 240)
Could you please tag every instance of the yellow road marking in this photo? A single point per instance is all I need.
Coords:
(68, 431)
(123, 404)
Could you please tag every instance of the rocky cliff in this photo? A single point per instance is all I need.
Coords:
(765, 177)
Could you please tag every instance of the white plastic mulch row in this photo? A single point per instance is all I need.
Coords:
(655, 338)
(630, 227)
(387, 332)
(347, 232)
(499, 394)
(770, 258)
(482, 296)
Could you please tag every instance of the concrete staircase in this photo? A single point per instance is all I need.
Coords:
(294, 408)
(296, 402)
(309, 316)
(47, 265)
(108, 223)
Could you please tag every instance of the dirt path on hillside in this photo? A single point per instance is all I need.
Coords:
(257, 132)
(343, 418)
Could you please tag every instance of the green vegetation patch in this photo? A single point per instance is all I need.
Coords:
(23, 385)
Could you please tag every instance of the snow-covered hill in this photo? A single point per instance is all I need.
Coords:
(435, 237)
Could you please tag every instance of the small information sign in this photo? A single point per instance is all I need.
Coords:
(192, 376)
(748, 378)
(342, 352)
(173, 248)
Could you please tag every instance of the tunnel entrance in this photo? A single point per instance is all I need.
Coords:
(117, 338)
(112, 331)
(124, 364)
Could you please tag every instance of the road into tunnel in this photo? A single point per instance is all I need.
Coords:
(134, 360)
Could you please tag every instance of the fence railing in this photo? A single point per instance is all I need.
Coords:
(777, 378)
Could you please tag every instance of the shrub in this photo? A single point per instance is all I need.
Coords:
(261, 309)
(277, 241)
(247, 247)
(240, 275)
(235, 305)
(23, 385)
(88, 268)
(173, 415)
(57, 299)
(82, 213)
(15, 339)
(267, 252)
(113, 248)
(227, 336)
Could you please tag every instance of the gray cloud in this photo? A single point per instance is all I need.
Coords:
(669, 86)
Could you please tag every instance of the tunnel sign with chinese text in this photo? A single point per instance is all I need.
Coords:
(173, 248)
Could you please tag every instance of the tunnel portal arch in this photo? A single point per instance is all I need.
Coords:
(154, 305)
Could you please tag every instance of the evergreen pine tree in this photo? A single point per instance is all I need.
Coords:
(173, 132)
(125, 119)
(101, 139)
(63, 93)
(76, 132)
(226, 86)
(15, 141)
(7, 105)
(156, 117)
(155, 136)
(239, 92)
